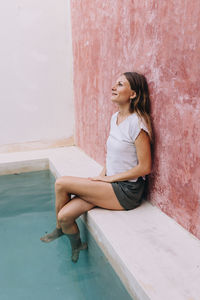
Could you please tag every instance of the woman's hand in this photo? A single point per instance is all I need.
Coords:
(102, 178)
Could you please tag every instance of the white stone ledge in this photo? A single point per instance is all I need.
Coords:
(154, 256)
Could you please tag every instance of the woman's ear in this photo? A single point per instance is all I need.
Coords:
(133, 95)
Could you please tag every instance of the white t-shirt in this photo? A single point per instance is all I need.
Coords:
(121, 151)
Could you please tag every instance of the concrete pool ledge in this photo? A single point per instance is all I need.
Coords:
(154, 256)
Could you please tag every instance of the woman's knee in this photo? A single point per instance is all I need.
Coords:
(61, 183)
(65, 217)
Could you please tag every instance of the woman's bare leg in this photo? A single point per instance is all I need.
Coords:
(98, 193)
(62, 197)
(66, 217)
(70, 212)
(89, 194)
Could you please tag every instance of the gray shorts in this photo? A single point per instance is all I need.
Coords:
(130, 194)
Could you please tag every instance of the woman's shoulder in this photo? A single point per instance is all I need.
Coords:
(138, 122)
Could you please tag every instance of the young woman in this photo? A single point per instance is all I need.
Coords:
(121, 183)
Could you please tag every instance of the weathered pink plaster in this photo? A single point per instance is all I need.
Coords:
(162, 40)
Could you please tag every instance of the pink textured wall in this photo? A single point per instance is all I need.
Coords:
(162, 40)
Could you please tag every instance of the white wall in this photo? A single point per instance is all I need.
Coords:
(36, 80)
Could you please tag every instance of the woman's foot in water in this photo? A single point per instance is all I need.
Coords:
(76, 245)
(75, 251)
(56, 233)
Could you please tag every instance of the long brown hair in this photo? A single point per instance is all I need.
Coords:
(141, 103)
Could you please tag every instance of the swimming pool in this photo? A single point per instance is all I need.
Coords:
(30, 269)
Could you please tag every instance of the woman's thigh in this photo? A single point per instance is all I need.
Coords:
(99, 193)
(74, 208)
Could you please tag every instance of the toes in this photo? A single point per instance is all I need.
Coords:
(75, 255)
(45, 239)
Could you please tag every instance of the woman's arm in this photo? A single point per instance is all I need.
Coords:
(143, 148)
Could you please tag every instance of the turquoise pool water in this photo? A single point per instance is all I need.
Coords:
(31, 269)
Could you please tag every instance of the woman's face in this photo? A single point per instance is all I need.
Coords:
(121, 91)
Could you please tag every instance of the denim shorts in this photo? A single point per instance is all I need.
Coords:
(129, 193)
